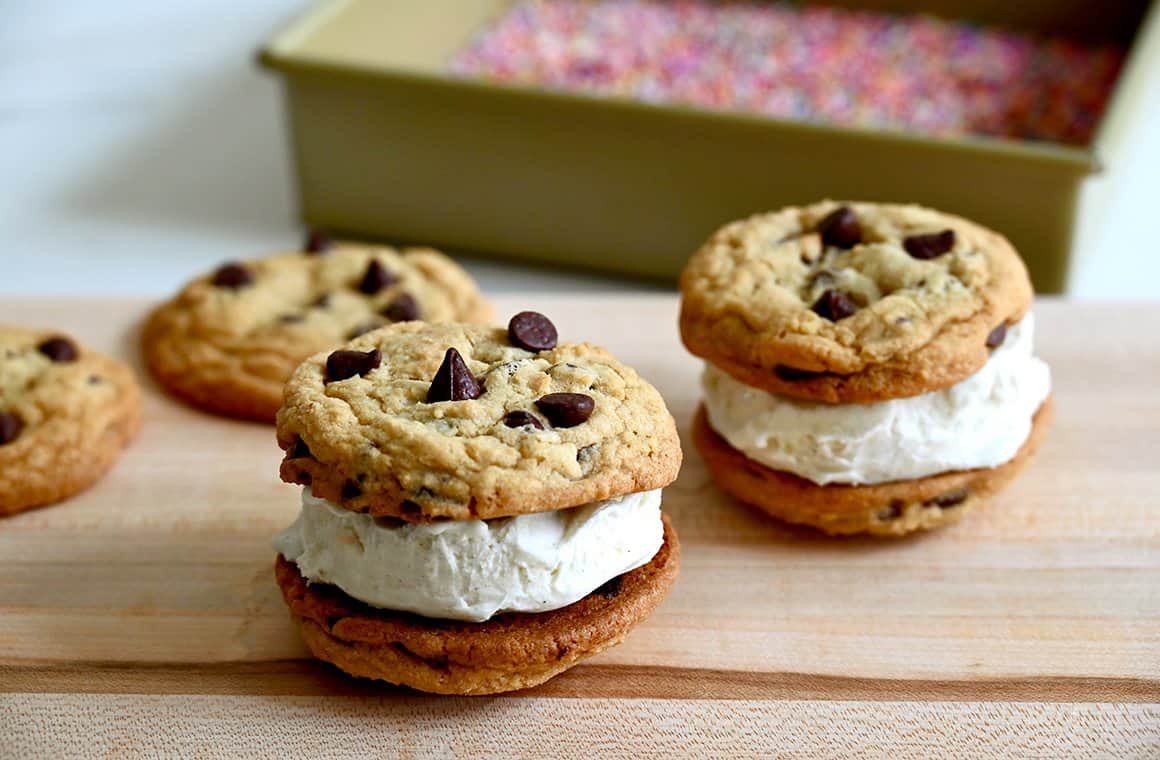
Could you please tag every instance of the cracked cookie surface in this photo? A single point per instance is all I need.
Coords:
(851, 302)
(230, 339)
(377, 441)
(510, 651)
(65, 415)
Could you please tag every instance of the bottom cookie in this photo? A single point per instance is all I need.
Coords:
(508, 652)
(887, 509)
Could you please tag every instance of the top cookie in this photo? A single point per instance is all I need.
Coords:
(65, 414)
(230, 339)
(851, 302)
(427, 422)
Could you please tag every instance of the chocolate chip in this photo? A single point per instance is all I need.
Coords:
(793, 374)
(60, 350)
(411, 508)
(10, 427)
(834, 305)
(322, 302)
(363, 329)
(376, 278)
(566, 409)
(931, 245)
(519, 418)
(299, 450)
(840, 228)
(402, 309)
(453, 381)
(532, 331)
(996, 337)
(351, 490)
(610, 589)
(948, 499)
(232, 275)
(343, 364)
(317, 242)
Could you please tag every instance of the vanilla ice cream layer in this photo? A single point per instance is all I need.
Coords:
(474, 569)
(979, 422)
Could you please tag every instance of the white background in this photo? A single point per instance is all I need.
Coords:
(141, 145)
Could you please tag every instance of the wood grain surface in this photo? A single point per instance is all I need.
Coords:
(141, 617)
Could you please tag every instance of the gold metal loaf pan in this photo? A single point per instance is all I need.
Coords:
(386, 146)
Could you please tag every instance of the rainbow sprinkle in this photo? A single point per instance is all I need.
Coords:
(819, 64)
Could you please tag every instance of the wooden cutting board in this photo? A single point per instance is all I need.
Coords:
(142, 617)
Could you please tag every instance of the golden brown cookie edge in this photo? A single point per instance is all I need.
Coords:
(958, 352)
(328, 481)
(238, 396)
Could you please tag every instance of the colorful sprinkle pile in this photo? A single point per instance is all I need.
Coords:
(855, 68)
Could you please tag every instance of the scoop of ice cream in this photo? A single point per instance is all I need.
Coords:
(979, 422)
(472, 570)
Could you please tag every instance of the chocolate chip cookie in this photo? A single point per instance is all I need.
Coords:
(431, 422)
(517, 476)
(869, 367)
(851, 302)
(230, 339)
(65, 415)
